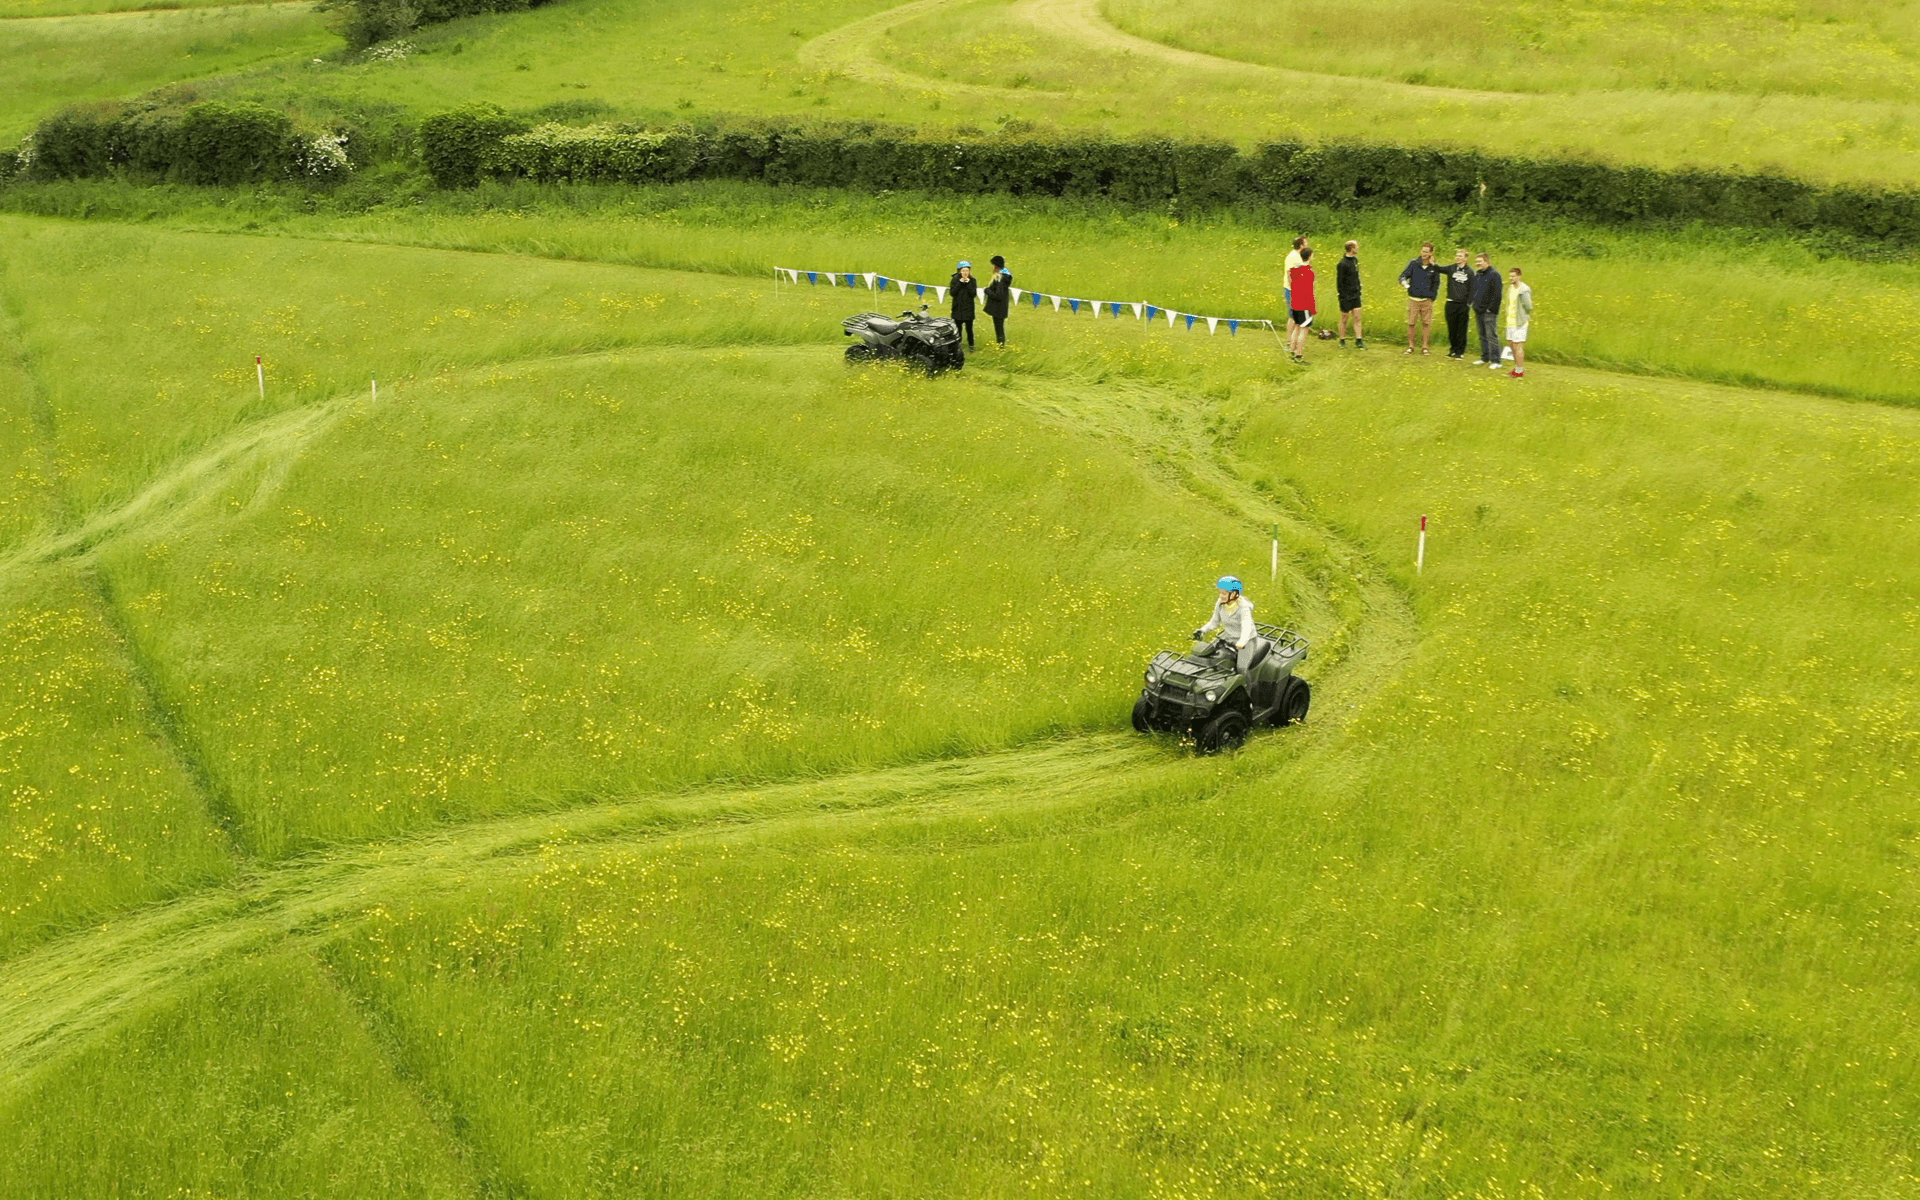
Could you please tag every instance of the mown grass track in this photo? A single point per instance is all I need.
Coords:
(57, 999)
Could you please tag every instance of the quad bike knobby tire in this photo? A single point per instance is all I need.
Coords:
(1140, 716)
(1293, 702)
(1225, 731)
(860, 353)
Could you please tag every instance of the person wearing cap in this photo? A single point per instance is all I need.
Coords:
(961, 289)
(999, 298)
(1233, 617)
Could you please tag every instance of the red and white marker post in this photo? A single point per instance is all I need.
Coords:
(260, 372)
(1420, 554)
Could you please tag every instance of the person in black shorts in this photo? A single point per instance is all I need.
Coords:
(1346, 282)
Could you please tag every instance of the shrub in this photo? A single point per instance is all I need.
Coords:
(453, 143)
(364, 22)
(207, 143)
(234, 143)
(593, 154)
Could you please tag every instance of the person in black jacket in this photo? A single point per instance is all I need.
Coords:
(1459, 295)
(999, 297)
(1346, 285)
(1485, 298)
(961, 289)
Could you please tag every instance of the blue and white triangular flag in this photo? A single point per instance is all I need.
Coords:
(1172, 316)
(1073, 305)
(1015, 294)
(1213, 324)
(1233, 328)
(1190, 320)
(1152, 311)
(940, 291)
(882, 283)
(1035, 297)
(1137, 308)
(812, 277)
(793, 275)
(1056, 302)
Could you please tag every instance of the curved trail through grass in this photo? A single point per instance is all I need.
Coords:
(58, 998)
(1082, 21)
(850, 50)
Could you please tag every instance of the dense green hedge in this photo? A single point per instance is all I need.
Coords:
(364, 22)
(210, 143)
(1157, 172)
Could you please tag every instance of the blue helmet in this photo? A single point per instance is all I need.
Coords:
(965, 263)
(1229, 583)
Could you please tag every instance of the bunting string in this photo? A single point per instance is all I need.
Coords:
(1146, 313)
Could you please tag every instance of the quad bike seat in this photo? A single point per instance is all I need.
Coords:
(884, 327)
(1261, 648)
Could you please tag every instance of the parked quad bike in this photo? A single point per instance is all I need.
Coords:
(930, 343)
(1202, 693)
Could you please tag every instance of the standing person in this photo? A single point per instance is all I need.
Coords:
(1346, 282)
(1300, 295)
(961, 289)
(1486, 309)
(1459, 297)
(998, 298)
(1519, 316)
(1286, 281)
(1422, 281)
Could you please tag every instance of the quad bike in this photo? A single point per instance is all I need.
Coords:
(930, 343)
(1202, 693)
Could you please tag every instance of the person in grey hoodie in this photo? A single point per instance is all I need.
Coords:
(1485, 298)
(1519, 316)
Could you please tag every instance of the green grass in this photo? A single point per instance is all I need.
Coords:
(1784, 88)
(294, 1100)
(1726, 306)
(99, 814)
(1845, 49)
(1591, 873)
(52, 61)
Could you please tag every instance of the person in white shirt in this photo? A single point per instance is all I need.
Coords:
(1233, 617)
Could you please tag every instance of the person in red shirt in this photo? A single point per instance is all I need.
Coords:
(1300, 284)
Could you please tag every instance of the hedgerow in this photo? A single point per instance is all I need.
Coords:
(1156, 172)
(211, 142)
(364, 22)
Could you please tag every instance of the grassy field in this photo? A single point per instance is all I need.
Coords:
(52, 61)
(1841, 49)
(634, 754)
(1602, 814)
(1819, 92)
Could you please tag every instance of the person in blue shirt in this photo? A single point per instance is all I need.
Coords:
(1422, 281)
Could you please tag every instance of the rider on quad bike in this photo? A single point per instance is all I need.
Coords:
(1233, 617)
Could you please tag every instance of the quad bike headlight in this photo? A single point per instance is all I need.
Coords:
(1212, 696)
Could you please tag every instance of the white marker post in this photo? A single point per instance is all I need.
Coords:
(260, 372)
(376, 387)
(1420, 555)
(1274, 574)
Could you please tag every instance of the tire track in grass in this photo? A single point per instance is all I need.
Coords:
(64, 995)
